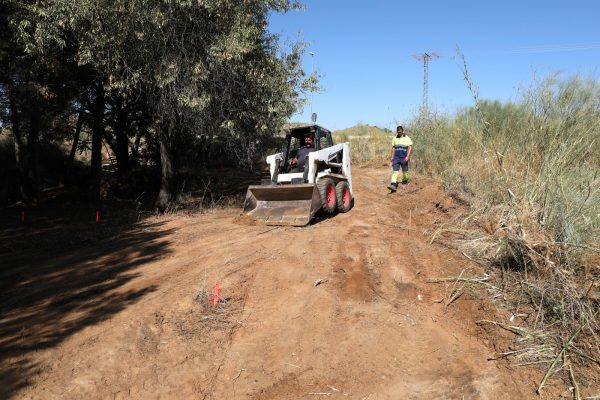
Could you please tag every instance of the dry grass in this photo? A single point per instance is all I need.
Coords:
(367, 143)
(530, 172)
(209, 315)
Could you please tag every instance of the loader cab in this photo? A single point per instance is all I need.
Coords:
(295, 139)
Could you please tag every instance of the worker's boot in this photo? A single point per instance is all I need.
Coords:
(405, 178)
(393, 186)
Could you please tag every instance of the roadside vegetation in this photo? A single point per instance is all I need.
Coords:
(530, 171)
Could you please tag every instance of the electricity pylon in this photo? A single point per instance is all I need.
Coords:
(425, 57)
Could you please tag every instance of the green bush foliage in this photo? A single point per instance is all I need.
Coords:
(540, 156)
(367, 142)
(530, 170)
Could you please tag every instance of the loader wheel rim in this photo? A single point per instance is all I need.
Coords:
(346, 197)
(331, 196)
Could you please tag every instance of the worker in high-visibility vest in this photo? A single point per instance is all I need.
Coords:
(402, 148)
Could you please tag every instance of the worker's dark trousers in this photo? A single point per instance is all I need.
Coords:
(397, 163)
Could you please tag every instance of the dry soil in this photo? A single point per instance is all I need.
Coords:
(338, 309)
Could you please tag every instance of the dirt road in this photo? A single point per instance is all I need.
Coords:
(129, 317)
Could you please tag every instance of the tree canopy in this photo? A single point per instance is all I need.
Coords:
(180, 81)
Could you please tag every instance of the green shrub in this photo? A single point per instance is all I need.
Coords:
(532, 169)
(367, 142)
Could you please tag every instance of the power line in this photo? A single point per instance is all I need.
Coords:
(425, 57)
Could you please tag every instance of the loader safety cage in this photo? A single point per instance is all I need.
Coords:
(295, 139)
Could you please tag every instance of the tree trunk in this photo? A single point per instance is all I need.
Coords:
(32, 147)
(75, 143)
(97, 134)
(141, 131)
(122, 148)
(20, 151)
(165, 194)
(135, 150)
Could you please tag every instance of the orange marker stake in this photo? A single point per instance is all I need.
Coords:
(97, 216)
(216, 295)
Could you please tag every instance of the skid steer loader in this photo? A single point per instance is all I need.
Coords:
(293, 198)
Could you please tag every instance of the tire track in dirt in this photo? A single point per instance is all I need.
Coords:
(350, 316)
(363, 330)
(349, 319)
(352, 276)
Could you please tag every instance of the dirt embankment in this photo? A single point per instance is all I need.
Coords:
(338, 309)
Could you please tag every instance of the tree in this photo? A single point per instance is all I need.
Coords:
(187, 75)
(213, 73)
(36, 90)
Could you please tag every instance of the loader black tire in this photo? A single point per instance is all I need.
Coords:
(326, 188)
(343, 196)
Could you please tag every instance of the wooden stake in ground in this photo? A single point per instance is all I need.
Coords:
(567, 364)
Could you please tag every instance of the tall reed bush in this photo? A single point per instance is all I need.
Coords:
(532, 168)
(540, 155)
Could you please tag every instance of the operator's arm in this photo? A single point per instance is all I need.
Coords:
(294, 161)
(410, 150)
(392, 154)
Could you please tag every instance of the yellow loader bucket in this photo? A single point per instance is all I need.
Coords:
(283, 204)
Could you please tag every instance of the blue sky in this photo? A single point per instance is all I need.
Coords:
(363, 52)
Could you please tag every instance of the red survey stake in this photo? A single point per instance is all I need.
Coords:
(216, 295)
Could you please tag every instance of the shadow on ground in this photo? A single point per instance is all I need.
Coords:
(63, 272)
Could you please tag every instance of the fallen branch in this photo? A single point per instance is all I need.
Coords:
(576, 391)
(455, 293)
(582, 354)
(484, 264)
(473, 280)
(519, 351)
(238, 375)
(511, 328)
(549, 371)
(533, 363)
(581, 246)
(562, 351)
